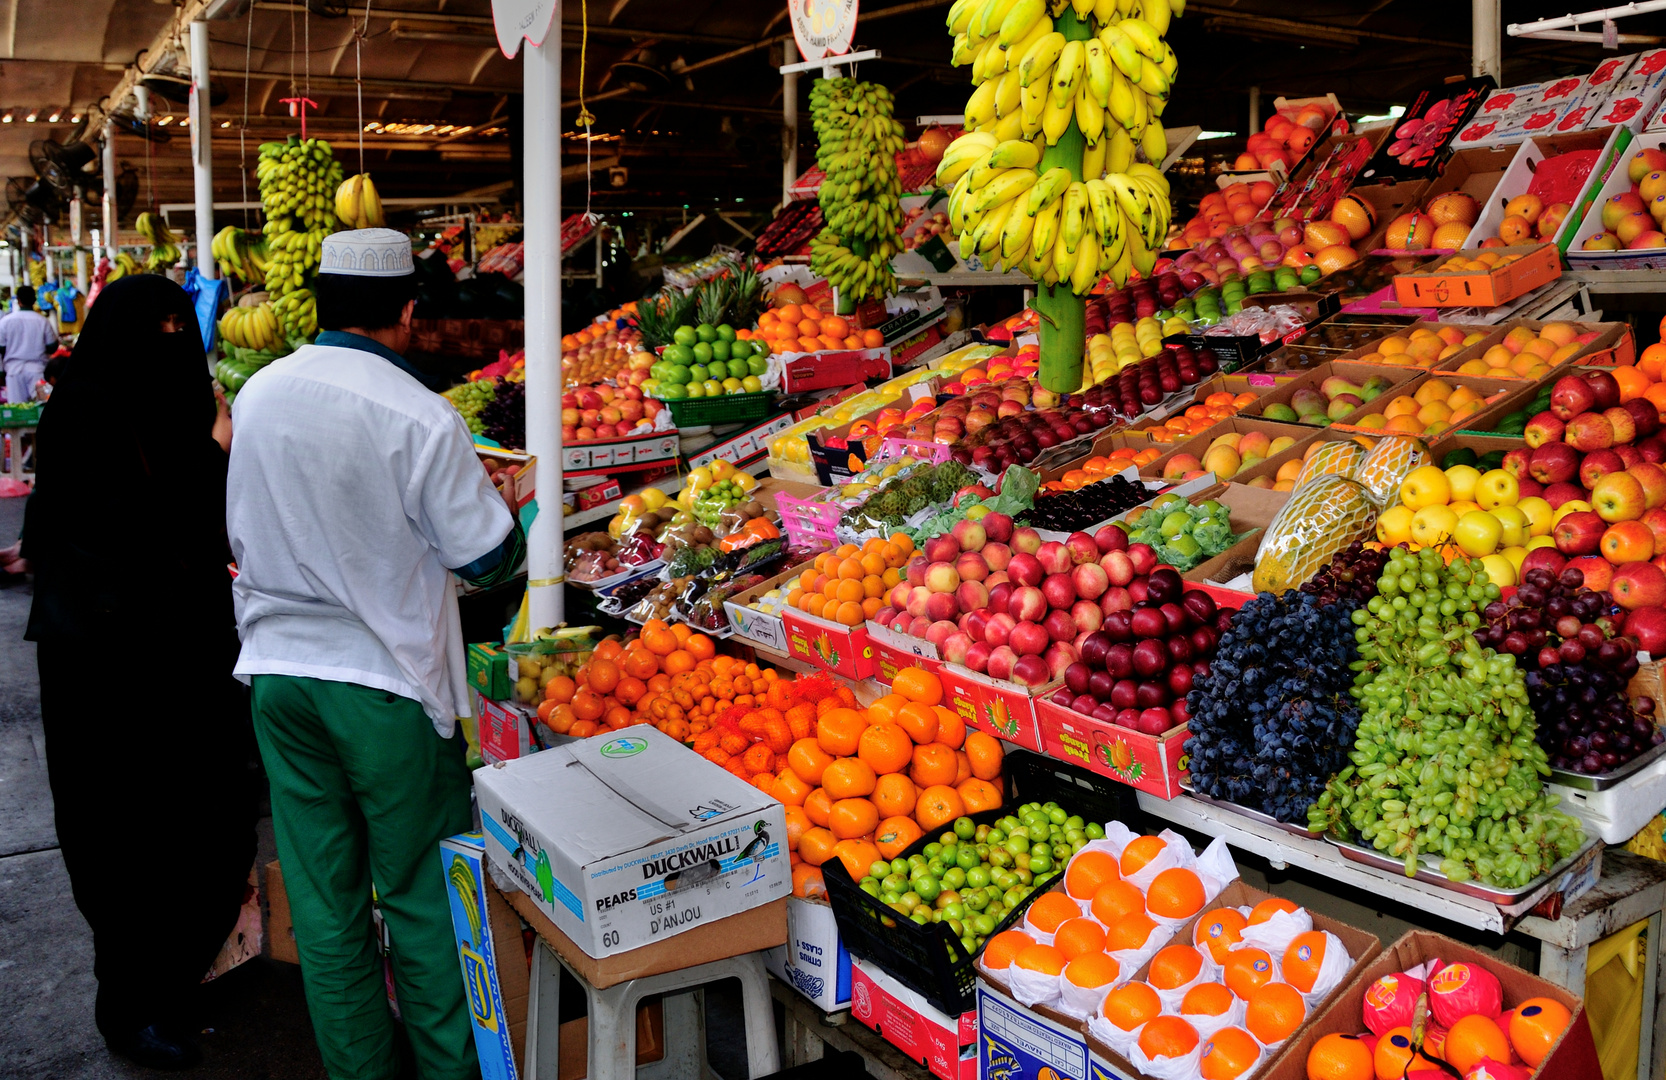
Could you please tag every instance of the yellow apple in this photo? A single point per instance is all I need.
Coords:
(1394, 526)
(1541, 541)
(1477, 533)
(1539, 515)
(1461, 479)
(1433, 525)
(1569, 507)
(1462, 508)
(1425, 486)
(1497, 488)
(1512, 524)
(1500, 571)
(1517, 555)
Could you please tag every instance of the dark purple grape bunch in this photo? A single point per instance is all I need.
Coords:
(1585, 722)
(1554, 619)
(1350, 578)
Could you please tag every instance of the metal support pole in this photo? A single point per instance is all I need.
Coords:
(202, 153)
(1487, 57)
(46, 254)
(1255, 109)
(111, 225)
(789, 121)
(541, 151)
(77, 233)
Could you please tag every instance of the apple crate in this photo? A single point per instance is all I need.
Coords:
(1314, 380)
(996, 707)
(1603, 146)
(1618, 183)
(843, 650)
(1439, 287)
(1152, 763)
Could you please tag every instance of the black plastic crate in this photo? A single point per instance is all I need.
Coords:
(929, 959)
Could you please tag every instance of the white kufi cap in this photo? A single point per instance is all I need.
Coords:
(367, 253)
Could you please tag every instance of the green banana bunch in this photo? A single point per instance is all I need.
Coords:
(297, 313)
(358, 205)
(857, 143)
(1008, 203)
(301, 190)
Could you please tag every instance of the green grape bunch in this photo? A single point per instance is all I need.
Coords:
(1445, 762)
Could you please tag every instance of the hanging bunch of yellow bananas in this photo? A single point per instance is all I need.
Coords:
(298, 180)
(358, 205)
(37, 272)
(124, 265)
(238, 256)
(164, 245)
(1031, 84)
(253, 327)
(857, 143)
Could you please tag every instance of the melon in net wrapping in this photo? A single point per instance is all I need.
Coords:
(1388, 463)
(1341, 458)
(1322, 517)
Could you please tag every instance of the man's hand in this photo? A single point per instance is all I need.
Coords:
(12, 560)
(222, 420)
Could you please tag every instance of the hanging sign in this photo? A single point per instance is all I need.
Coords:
(517, 19)
(822, 28)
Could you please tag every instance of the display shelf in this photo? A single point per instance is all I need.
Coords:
(972, 277)
(1618, 281)
(1283, 849)
(670, 485)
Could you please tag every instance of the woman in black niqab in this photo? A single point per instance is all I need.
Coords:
(147, 734)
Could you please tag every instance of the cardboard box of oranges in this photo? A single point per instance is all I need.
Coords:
(1485, 278)
(1276, 1011)
(1437, 403)
(1423, 344)
(1557, 1032)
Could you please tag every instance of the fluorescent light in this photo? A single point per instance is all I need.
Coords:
(164, 122)
(225, 123)
(1392, 114)
(7, 118)
(1216, 134)
(75, 118)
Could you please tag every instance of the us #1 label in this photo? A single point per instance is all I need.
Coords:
(674, 890)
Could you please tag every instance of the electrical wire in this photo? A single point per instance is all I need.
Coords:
(585, 119)
(358, 76)
(243, 128)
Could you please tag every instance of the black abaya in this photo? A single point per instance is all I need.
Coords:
(126, 534)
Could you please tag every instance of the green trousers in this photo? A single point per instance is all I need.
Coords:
(363, 791)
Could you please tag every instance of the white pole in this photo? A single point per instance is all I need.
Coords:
(541, 150)
(1487, 57)
(46, 254)
(110, 223)
(789, 121)
(77, 234)
(202, 154)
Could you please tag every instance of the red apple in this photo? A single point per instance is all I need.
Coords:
(1604, 387)
(1625, 428)
(1644, 414)
(1637, 585)
(1554, 463)
(1652, 479)
(1648, 625)
(1544, 428)
(1579, 533)
(1598, 464)
(1570, 396)
(1618, 497)
(1557, 494)
(1597, 570)
(1545, 558)
(1655, 519)
(1589, 431)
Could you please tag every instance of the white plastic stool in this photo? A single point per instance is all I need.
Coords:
(15, 437)
(612, 1013)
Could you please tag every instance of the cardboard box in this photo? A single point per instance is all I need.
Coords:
(481, 930)
(1363, 947)
(1027, 1041)
(1632, 98)
(591, 497)
(1440, 287)
(612, 456)
(894, 651)
(1594, 92)
(488, 667)
(1501, 118)
(843, 650)
(1003, 709)
(1423, 135)
(814, 961)
(760, 627)
(1249, 510)
(1151, 763)
(1475, 172)
(1314, 377)
(1197, 445)
(818, 370)
(742, 448)
(1574, 1057)
(945, 1045)
(505, 729)
(1607, 143)
(1617, 182)
(628, 841)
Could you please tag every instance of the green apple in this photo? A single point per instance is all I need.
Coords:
(706, 332)
(677, 354)
(756, 365)
(679, 374)
(703, 353)
(685, 335)
(725, 332)
(738, 369)
(721, 350)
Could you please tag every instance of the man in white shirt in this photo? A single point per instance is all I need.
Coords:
(27, 339)
(354, 493)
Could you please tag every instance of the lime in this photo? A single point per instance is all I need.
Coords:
(685, 336)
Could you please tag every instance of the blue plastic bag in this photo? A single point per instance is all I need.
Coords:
(206, 294)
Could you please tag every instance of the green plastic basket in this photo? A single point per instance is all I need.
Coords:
(727, 409)
(23, 414)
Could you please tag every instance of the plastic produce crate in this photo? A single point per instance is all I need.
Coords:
(929, 959)
(725, 409)
(21, 414)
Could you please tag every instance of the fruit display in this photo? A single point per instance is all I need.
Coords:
(1515, 422)
(707, 361)
(164, 245)
(1333, 399)
(1017, 203)
(1218, 211)
(298, 180)
(1482, 515)
(238, 256)
(1351, 577)
(1086, 505)
(857, 143)
(1423, 347)
(1323, 515)
(503, 417)
(972, 875)
(601, 353)
(1528, 219)
(1445, 761)
(597, 556)
(501, 474)
(1199, 418)
(1467, 1030)
(1100, 467)
(1182, 534)
(469, 399)
(796, 328)
(1443, 222)
(1578, 665)
(1124, 346)
(592, 413)
(864, 784)
(1437, 405)
(1528, 353)
(1284, 140)
(910, 490)
(847, 585)
(936, 225)
(1227, 455)
(1636, 218)
(1137, 387)
(1271, 718)
(359, 206)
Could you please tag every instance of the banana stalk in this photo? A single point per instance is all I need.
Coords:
(1063, 313)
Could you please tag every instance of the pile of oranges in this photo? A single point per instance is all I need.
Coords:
(864, 784)
(794, 328)
(846, 585)
(1197, 419)
(1102, 467)
(669, 676)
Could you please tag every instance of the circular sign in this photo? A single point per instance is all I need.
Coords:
(822, 28)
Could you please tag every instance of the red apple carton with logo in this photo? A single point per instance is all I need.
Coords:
(1558, 98)
(1501, 118)
(1632, 98)
(843, 650)
(1558, 169)
(1625, 227)
(1594, 91)
(945, 1045)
